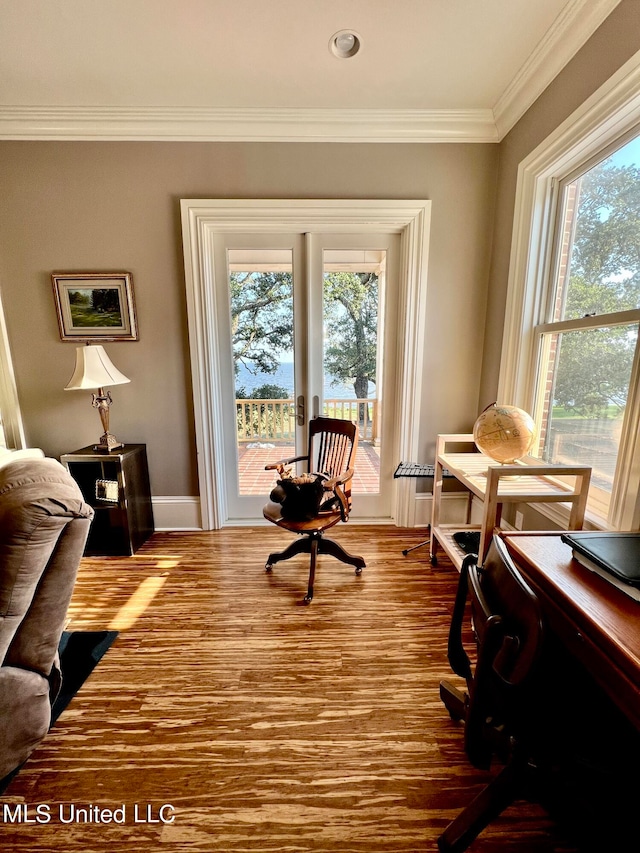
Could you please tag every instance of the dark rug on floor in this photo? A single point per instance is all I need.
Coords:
(80, 651)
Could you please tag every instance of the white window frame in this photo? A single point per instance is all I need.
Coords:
(599, 125)
(12, 429)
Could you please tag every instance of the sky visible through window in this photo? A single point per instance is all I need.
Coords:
(629, 155)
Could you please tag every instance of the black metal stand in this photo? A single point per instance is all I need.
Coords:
(413, 469)
(419, 545)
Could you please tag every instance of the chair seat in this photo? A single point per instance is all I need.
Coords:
(273, 512)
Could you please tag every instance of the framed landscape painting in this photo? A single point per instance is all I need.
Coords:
(95, 306)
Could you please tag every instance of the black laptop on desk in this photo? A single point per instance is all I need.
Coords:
(613, 555)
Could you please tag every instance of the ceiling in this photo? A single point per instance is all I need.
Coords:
(427, 70)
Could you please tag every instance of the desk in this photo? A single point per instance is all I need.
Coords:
(598, 624)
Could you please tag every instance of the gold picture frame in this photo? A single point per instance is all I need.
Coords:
(95, 306)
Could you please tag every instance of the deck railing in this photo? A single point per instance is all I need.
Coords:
(275, 420)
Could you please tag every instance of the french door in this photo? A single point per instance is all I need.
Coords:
(207, 226)
(306, 326)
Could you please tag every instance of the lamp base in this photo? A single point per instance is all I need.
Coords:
(108, 442)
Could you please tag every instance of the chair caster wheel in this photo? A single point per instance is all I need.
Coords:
(434, 560)
(358, 571)
(307, 599)
(405, 552)
(268, 568)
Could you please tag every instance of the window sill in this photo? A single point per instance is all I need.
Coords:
(559, 515)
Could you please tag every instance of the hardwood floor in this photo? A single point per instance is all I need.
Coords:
(267, 725)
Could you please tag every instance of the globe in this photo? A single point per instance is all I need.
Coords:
(504, 433)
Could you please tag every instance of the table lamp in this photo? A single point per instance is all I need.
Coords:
(94, 369)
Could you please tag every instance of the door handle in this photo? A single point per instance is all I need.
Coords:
(300, 410)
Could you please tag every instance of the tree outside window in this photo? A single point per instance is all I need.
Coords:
(589, 344)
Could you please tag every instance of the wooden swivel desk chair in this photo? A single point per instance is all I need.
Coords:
(332, 451)
(502, 706)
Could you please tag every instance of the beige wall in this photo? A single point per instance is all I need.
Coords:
(115, 206)
(610, 47)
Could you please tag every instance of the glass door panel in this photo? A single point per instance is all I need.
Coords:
(261, 319)
(353, 352)
(259, 305)
(353, 334)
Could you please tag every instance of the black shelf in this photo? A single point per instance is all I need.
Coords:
(116, 485)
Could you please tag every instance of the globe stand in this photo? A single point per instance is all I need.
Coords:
(509, 476)
(502, 465)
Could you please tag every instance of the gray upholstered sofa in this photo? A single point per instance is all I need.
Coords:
(44, 524)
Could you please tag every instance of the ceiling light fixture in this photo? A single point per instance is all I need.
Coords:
(344, 44)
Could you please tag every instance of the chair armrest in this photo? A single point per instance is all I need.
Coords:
(342, 480)
(282, 462)
(335, 485)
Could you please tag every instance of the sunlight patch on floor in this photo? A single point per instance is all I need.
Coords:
(130, 612)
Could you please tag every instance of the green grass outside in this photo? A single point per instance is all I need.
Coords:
(560, 413)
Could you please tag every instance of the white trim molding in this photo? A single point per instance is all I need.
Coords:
(194, 124)
(176, 513)
(572, 28)
(13, 428)
(203, 219)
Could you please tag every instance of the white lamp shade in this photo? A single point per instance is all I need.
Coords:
(94, 369)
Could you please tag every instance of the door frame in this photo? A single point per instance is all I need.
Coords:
(202, 219)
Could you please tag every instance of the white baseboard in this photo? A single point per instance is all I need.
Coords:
(183, 513)
(176, 513)
(453, 507)
(423, 510)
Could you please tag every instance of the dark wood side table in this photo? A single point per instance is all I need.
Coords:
(116, 485)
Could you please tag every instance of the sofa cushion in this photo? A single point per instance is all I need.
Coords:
(38, 498)
(8, 456)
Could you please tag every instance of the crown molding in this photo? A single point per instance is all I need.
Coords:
(572, 28)
(260, 125)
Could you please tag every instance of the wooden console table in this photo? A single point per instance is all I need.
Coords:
(526, 481)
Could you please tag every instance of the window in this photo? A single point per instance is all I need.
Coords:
(588, 341)
(11, 430)
(570, 351)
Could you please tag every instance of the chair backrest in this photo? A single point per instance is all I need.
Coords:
(332, 445)
(508, 629)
